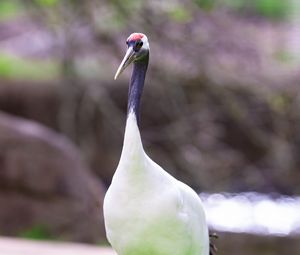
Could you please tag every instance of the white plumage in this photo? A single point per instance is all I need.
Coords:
(149, 212)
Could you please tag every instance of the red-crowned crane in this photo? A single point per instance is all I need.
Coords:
(146, 210)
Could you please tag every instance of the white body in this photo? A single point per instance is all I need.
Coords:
(149, 212)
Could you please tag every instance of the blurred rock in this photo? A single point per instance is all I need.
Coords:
(31, 100)
(45, 185)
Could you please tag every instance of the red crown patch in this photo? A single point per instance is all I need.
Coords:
(135, 37)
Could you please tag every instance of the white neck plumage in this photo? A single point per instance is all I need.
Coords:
(132, 145)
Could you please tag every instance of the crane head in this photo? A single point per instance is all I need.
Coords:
(138, 48)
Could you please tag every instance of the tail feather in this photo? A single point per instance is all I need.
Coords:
(212, 247)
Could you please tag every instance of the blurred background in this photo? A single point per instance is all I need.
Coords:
(220, 112)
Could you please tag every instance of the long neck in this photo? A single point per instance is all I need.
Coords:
(136, 87)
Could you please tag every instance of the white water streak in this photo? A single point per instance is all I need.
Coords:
(253, 213)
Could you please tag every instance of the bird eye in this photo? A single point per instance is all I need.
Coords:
(138, 45)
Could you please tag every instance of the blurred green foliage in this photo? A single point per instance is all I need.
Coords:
(38, 232)
(271, 9)
(284, 56)
(115, 18)
(180, 14)
(280, 102)
(9, 9)
(47, 3)
(206, 4)
(19, 69)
